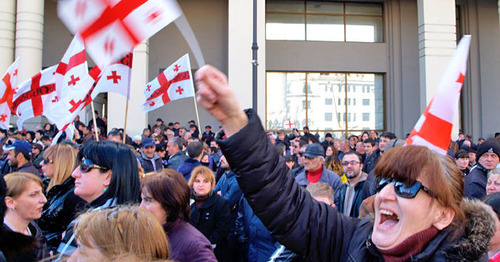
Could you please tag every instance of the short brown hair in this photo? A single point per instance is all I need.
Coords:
(321, 190)
(205, 172)
(441, 174)
(171, 190)
(18, 181)
(123, 230)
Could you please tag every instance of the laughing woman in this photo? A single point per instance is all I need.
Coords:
(418, 208)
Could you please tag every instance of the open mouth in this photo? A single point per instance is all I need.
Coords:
(388, 218)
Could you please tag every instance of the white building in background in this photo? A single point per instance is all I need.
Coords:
(339, 66)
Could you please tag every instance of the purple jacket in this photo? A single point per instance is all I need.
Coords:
(187, 243)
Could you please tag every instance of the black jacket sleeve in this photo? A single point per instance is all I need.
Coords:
(309, 228)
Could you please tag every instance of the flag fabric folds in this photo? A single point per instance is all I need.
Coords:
(72, 68)
(434, 127)
(7, 90)
(115, 78)
(35, 95)
(172, 84)
(111, 29)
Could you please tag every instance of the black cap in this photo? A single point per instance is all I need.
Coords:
(208, 126)
(489, 146)
(170, 124)
(328, 135)
(314, 150)
(159, 120)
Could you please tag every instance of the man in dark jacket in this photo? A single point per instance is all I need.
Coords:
(19, 157)
(328, 141)
(149, 160)
(208, 135)
(195, 153)
(315, 171)
(487, 159)
(349, 197)
(176, 155)
(372, 154)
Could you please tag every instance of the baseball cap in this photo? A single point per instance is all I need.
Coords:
(148, 142)
(21, 146)
(314, 150)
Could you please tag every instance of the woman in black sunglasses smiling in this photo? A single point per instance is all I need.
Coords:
(418, 210)
(107, 176)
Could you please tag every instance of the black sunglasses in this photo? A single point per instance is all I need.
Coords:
(47, 160)
(88, 165)
(301, 153)
(401, 188)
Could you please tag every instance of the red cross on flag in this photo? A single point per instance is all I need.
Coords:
(35, 95)
(111, 28)
(434, 127)
(73, 101)
(172, 84)
(115, 78)
(7, 91)
(72, 68)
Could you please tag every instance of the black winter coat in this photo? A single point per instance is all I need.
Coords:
(475, 182)
(213, 220)
(61, 208)
(315, 230)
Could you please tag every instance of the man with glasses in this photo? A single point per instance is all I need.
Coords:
(314, 170)
(350, 196)
(299, 150)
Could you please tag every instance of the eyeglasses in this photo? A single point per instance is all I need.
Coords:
(401, 188)
(301, 153)
(352, 163)
(47, 161)
(88, 165)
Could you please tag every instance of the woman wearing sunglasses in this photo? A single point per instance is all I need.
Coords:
(418, 213)
(106, 177)
(62, 205)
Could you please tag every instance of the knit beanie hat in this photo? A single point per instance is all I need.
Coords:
(489, 146)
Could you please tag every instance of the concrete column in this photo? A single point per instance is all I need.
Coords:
(240, 38)
(137, 119)
(7, 33)
(29, 37)
(437, 42)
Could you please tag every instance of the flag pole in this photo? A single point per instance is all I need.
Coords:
(125, 125)
(197, 115)
(95, 122)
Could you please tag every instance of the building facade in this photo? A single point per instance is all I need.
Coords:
(335, 66)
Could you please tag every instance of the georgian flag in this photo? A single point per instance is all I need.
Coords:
(112, 28)
(74, 100)
(72, 68)
(434, 127)
(35, 95)
(7, 91)
(172, 84)
(115, 78)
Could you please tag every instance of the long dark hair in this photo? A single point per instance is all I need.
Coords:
(124, 186)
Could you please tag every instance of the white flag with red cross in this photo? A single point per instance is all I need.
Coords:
(172, 84)
(7, 91)
(111, 28)
(68, 129)
(35, 95)
(115, 78)
(72, 68)
(434, 127)
(73, 101)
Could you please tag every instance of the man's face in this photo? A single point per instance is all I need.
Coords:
(344, 147)
(177, 125)
(38, 136)
(472, 157)
(214, 144)
(159, 123)
(149, 151)
(223, 162)
(181, 131)
(312, 164)
(328, 139)
(147, 132)
(208, 129)
(383, 141)
(301, 159)
(373, 134)
(351, 165)
(461, 137)
(172, 148)
(46, 142)
(368, 148)
(360, 148)
(114, 138)
(489, 160)
(12, 158)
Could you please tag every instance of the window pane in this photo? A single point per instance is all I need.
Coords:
(325, 28)
(285, 27)
(285, 98)
(325, 7)
(325, 86)
(289, 6)
(363, 29)
(372, 111)
(363, 9)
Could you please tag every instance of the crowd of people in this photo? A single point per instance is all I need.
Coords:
(244, 193)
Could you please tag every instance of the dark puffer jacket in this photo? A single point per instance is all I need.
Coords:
(61, 208)
(315, 230)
